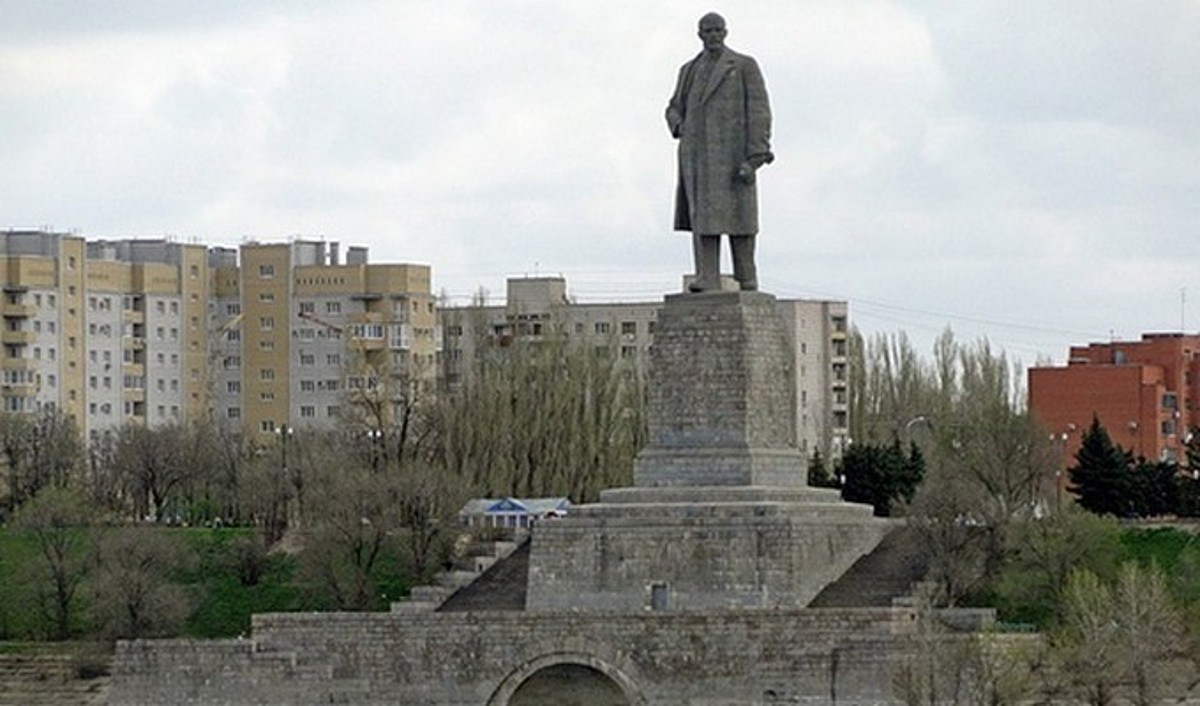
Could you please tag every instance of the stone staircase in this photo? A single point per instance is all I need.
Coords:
(53, 680)
(478, 561)
(886, 575)
(501, 587)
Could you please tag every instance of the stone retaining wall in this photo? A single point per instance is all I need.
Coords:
(744, 657)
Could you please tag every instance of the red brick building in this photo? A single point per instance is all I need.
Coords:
(1144, 393)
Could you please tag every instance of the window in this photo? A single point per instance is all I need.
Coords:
(628, 328)
(333, 410)
(266, 323)
(266, 374)
(266, 297)
(333, 307)
(266, 272)
(308, 411)
(233, 413)
(194, 271)
(234, 387)
(233, 309)
(333, 359)
(233, 361)
(308, 386)
(175, 308)
(266, 345)
(92, 382)
(266, 425)
(601, 327)
(308, 359)
(233, 335)
(308, 307)
(659, 596)
(160, 306)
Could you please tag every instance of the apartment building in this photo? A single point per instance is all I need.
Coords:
(300, 334)
(538, 306)
(1143, 392)
(265, 336)
(106, 332)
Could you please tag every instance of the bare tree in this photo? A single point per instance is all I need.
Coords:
(543, 417)
(354, 528)
(58, 518)
(39, 451)
(938, 666)
(134, 594)
(1124, 640)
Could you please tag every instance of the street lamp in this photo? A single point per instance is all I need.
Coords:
(376, 438)
(285, 433)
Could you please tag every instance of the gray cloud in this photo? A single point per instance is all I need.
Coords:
(1014, 171)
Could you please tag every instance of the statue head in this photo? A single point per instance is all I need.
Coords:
(712, 32)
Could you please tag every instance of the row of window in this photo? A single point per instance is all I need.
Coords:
(306, 412)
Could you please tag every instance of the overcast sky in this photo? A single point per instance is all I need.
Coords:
(1027, 171)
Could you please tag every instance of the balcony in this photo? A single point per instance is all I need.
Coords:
(18, 364)
(17, 311)
(24, 389)
(17, 338)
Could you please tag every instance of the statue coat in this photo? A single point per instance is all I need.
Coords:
(719, 129)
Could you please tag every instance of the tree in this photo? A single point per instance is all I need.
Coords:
(40, 451)
(1121, 640)
(1042, 553)
(1155, 486)
(427, 500)
(938, 666)
(880, 475)
(349, 534)
(58, 518)
(151, 466)
(1101, 476)
(134, 594)
(818, 475)
(542, 417)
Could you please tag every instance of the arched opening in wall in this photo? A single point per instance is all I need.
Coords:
(568, 685)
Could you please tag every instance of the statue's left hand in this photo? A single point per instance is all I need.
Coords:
(745, 173)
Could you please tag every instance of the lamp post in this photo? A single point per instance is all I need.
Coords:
(375, 436)
(292, 514)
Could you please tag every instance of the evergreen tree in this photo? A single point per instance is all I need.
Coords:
(818, 474)
(880, 475)
(1156, 488)
(1101, 477)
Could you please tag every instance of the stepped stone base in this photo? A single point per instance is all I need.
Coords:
(698, 549)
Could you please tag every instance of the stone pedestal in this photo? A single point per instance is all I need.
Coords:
(720, 515)
(722, 389)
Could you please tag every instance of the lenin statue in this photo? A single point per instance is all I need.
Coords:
(721, 117)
